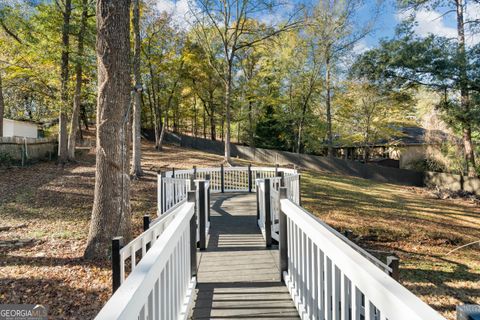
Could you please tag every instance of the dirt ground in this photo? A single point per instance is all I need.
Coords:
(44, 219)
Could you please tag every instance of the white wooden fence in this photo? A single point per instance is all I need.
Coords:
(162, 285)
(223, 179)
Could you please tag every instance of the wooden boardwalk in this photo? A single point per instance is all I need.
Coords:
(238, 278)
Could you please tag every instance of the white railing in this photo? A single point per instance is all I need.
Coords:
(162, 285)
(138, 247)
(222, 179)
(170, 192)
(328, 279)
(273, 194)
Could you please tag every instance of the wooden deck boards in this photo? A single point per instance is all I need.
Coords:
(238, 277)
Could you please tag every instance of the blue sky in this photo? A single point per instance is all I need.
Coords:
(428, 21)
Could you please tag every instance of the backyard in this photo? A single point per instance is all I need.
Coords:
(45, 212)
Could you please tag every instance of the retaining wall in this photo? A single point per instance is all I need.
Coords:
(26, 150)
(452, 182)
(339, 166)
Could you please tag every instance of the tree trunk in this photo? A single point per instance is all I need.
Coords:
(329, 107)
(250, 124)
(62, 117)
(464, 93)
(2, 106)
(137, 106)
(228, 93)
(111, 210)
(204, 122)
(74, 123)
(162, 134)
(84, 116)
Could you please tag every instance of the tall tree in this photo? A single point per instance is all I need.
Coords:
(458, 6)
(231, 21)
(137, 106)
(111, 211)
(77, 99)
(338, 28)
(64, 76)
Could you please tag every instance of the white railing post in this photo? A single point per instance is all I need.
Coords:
(193, 235)
(268, 214)
(283, 236)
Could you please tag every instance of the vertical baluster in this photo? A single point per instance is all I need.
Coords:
(168, 292)
(321, 281)
(297, 261)
(336, 292)
(368, 309)
(303, 272)
(315, 284)
(133, 257)
(311, 286)
(328, 291)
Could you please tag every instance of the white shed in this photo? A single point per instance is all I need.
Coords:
(12, 128)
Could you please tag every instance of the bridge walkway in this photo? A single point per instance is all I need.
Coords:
(238, 277)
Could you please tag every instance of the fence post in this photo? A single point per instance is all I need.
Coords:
(276, 169)
(394, 263)
(257, 192)
(207, 177)
(299, 189)
(146, 226)
(268, 215)
(195, 172)
(193, 236)
(160, 196)
(222, 178)
(283, 237)
(281, 174)
(192, 182)
(249, 177)
(146, 222)
(117, 244)
(174, 187)
(202, 213)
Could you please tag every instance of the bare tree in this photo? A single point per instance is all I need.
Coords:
(337, 29)
(111, 210)
(231, 21)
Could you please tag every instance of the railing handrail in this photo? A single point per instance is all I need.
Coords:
(390, 297)
(129, 299)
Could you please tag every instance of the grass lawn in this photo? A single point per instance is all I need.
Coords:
(417, 227)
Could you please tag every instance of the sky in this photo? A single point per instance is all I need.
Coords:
(428, 21)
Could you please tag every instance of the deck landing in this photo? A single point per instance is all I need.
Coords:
(238, 278)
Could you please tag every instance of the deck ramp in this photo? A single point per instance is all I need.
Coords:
(238, 278)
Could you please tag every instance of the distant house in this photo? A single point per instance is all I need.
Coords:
(24, 129)
(411, 145)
